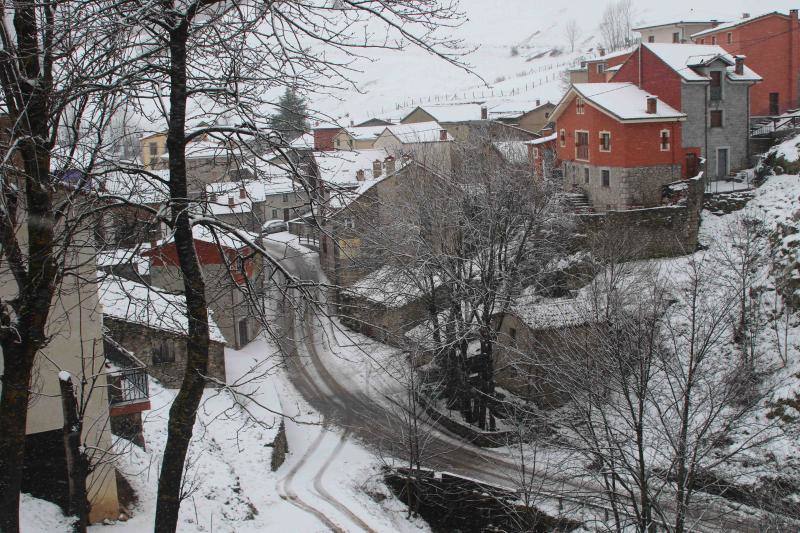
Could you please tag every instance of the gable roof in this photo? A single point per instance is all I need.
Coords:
(624, 102)
(683, 58)
(450, 112)
(418, 132)
(339, 168)
(737, 23)
(674, 23)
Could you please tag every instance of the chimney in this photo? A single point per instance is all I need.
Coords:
(230, 201)
(745, 15)
(360, 174)
(484, 113)
(739, 68)
(793, 14)
(714, 23)
(242, 193)
(389, 162)
(652, 105)
(377, 168)
(442, 135)
(602, 51)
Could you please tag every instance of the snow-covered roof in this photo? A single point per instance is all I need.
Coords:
(613, 55)
(226, 197)
(139, 304)
(541, 140)
(549, 313)
(304, 142)
(419, 132)
(364, 133)
(453, 112)
(624, 101)
(125, 256)
(226, 239)
(671, 23)
(734, 23)
(387, 286)
(340, 168)
(684, 58)
(137, 186)
(513, 151)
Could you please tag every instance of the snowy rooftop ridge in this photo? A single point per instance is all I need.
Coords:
(683, 57)
(624, 101)
(734, 23)
(139, 304)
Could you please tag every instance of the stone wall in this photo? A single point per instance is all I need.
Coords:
(638, 186)
(663, 231)
(379, 322)
(143, 342)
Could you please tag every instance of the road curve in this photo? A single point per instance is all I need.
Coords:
(366, 419)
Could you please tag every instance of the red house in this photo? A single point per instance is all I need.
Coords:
(618, 144)
(771, 43)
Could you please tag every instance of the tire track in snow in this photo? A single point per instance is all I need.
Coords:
(287, 493)
(325, 495)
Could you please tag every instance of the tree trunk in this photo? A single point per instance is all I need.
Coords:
(13, 418)
(77, 464)
(184, 408)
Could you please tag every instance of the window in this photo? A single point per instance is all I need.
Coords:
(651, 39)
(563, 138)
(580, 106)
(601, 67)
(348, 223)
(774, 108)
(164, 352)
(338, 143)
(586, 175)
(716, 84)
(605, 177)
(713, 39)
(512, 333)
(676, 37)
(716, 119)
(285, 198)
(536, 152)
(582, 145)
(665, 140)
(605, 141)
(153, 148)
(730, 37)
(274, 213)
(702, 41)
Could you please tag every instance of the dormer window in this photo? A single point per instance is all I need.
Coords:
(665, 140)
(580, 106)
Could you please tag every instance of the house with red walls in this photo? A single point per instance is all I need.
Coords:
(618, 144)
(543, 156)
(708, 85)
(771, 43)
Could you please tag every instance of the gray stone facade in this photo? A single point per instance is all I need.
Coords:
(627, 187)
(734, 135)
(145, 342)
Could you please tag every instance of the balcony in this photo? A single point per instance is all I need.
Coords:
(128, 388)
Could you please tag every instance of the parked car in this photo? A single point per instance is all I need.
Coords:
(273, 226)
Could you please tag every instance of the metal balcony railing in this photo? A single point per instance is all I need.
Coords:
(127, 386)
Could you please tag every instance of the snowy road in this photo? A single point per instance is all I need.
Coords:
(314, 372)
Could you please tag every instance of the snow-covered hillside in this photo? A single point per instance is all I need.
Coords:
(532, 29)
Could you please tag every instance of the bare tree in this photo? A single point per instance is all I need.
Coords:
(616, 24)
(572, 33)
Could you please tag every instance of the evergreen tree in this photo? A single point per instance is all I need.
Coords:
(290, 118)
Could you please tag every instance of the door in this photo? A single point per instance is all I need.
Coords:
(774, 108)
(691, 165)
(286, 214)
(243, 333)
(722, 163)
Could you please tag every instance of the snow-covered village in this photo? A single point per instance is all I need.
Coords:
(400, 266)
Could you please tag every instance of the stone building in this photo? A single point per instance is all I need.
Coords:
(712, 88)
(152, 324)
(233, 276)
